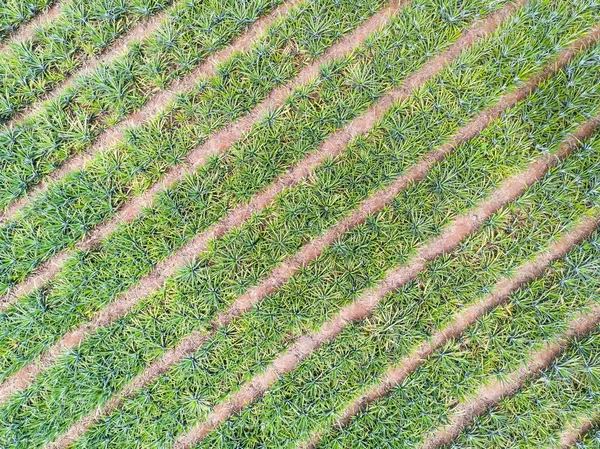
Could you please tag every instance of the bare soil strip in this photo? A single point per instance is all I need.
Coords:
(574, 434)
(461, 227)
(113, 135)
(223, 139)
(331, 147)
(27, 30)
(462, 320)
(217, 143)
(116, 49)
(489, 395)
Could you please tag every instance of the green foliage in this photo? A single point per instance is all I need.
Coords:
(88, 375)
(67, 125)
(591, 440)
(496, 345)
(94, 277)
(312, 396)
(63, 215)
(540, 411)
(14, 13)
(190, 203)
(33, 67)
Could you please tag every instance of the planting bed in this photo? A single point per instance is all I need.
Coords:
(300, 224)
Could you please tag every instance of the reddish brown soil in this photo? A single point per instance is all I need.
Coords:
(463, 319)
(27, 30)
(491, 394)
(461, 227)
(577, 431)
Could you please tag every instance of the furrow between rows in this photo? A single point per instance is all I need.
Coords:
(572, 436)
(491, 394)
(219, 142)
(450, 237)
(27, 30)
(591, 438)
(462, 320)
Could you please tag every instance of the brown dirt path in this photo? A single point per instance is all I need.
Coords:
(489, 395)
(572, 435)
(27, 30)
(450, 237)
(462, 320)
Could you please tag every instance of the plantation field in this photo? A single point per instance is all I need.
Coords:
(299, 224)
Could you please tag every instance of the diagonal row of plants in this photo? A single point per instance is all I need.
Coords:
(310, 398)
(14, 13)
(217, 277)
(67, 211)
(69, 124)
(152, 229)
(95, 277)
(243, 348)
(489, 350)
(537, 414)
(31, 68)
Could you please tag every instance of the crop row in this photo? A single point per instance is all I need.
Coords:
(31, 68)
(537, 414)
(94, 278)
(14, 13)
(247, 345)
(70, 123)
(69, 209)
(489, 350)
(101, 365)
(49, 316)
